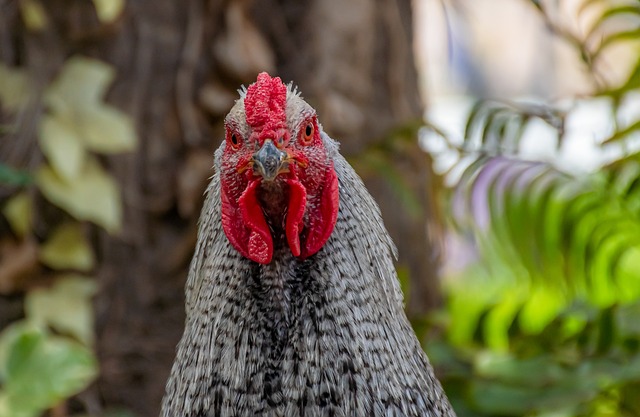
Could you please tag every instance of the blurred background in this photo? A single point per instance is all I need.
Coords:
(500, 138)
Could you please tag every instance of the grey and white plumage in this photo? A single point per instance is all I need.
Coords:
(323, 336)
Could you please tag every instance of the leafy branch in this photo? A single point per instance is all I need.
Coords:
(544, 322)
(53, 344)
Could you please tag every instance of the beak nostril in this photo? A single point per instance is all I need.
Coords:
(270, 164)
(268, 161)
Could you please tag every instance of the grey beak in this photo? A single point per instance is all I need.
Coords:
(268, 160)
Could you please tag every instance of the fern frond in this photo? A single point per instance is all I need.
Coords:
(581, 236)
(496, 127)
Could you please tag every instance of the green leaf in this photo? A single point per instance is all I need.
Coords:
(633, 80)
(404, 279)
(60, 143)
(93, 195)
(606, 330)
(8, 337)
(18, 212)
(628, 270)
(498, 398)
(569, 234)
(106, 129)
(80, 119)
(538, 371)
(82, 83)
(33, 14)
(11, 176)
(623, 133)
(470, 298)
(108, 10)
(623, 35)
(65, 307)
(14, 87)
(42, 370)
(542, 307)
(67, 248)
(501, 317)
(611, 13)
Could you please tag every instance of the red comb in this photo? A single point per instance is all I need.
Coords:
(264, 103)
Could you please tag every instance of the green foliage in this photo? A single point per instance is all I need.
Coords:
(580, 236)
(33, 14)
(38, 368)
(108, 10)
(11, 176)
(78, 122)
(92, 195)
(545, 322)
(582, 357)
(66, 307)
(501, 124)
(78, 114)
(18, 212)
(67, 248)
(48, 357)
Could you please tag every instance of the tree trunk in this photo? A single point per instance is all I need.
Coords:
(178, 65)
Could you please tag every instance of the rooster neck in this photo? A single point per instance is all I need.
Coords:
(283, 280)
(278, 291)
(275, 286)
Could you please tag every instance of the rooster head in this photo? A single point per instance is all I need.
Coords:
(278, 183)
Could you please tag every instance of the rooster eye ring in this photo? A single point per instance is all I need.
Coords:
(307, 136)
(235, 140)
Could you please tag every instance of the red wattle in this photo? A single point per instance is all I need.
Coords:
(322, 217)
(295, 212)
(259, 246)
(232, 222)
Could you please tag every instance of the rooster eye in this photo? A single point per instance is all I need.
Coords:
(235, 140)
(307, 135)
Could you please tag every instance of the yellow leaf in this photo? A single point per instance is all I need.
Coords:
(108, 10)
(81, 83)
(75, 98)
(18, 212)
(67, 248)
(106, 129)
(14, 88)
(66, 307)
(93, 195)
(33, 14)
(59, 141)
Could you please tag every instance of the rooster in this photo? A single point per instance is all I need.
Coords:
(293, 303)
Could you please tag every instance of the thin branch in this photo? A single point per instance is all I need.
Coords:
(185, 76)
